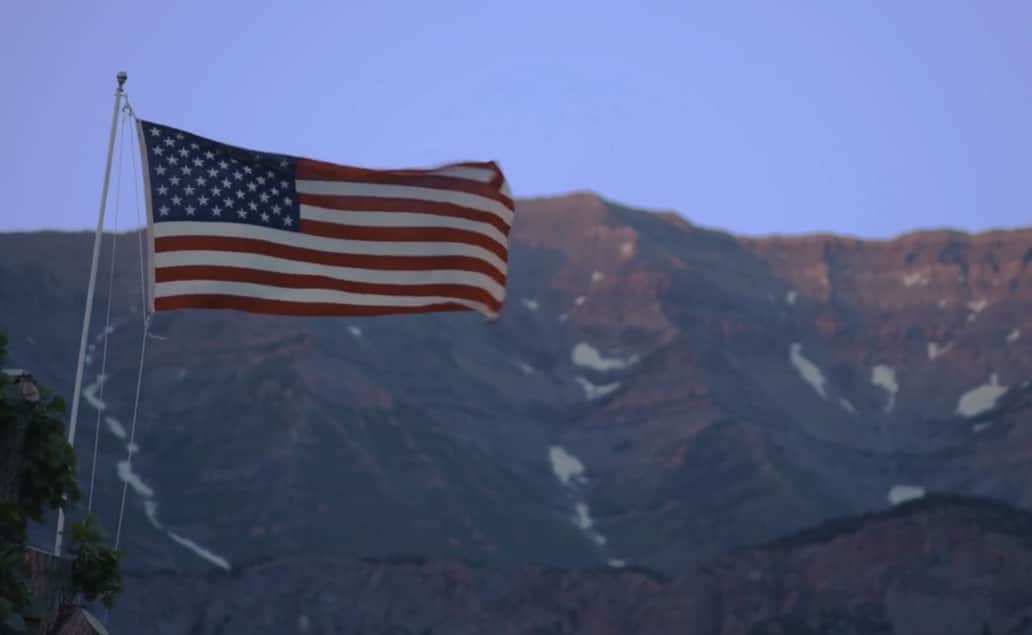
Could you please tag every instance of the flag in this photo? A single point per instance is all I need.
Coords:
(232, 228)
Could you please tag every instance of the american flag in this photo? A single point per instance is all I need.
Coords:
(233, 228)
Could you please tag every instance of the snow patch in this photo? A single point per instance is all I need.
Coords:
(848, 407)
(627, 249)
(1013, 336)
(596, 276)
(807, 369)
(525, 367)
(115, 427)
(181, 375)
(211, 557)
(580, 300)
(791, 296)
(976, 307)
(591, 391)
(89, 393)
(981, 427)
(935, 350)
(588, 356)
(583, 516)
(355, 331)
(885, 377)
(616, 563)
(150, 509)
(566, 467)
(532, 305)
(915, 279)
(563, 317)
(903, 493)
(942, 304)
(125, 472)
(981, 399)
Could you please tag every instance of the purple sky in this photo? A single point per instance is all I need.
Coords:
(868, 118)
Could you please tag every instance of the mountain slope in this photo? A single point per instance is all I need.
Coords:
(940, 565)
(654, 393)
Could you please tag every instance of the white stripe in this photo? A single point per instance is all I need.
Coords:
(377, 190)
(400, 219)
(327, 245)
(480, 175)
(264, 292)
(261, 262)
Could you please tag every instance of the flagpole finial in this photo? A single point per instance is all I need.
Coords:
(121, 77)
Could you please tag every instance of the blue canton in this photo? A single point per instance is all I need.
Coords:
(197, 179)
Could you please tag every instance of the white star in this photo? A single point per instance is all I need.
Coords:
(261, 180)
(216, 211)
(237, 175)
(247, 169)
(276, 209)
(287, 201)
(288, 221)
(162, 190)
(169, 142)
(265, 217)
(186, 169)
(274, 191)
(155, 132)
(172, 161)
(174, 180)
(158, 151)
(164, 210)
(264, 197)
(228, 202)
(242, 213)
(198, 163)
(225, 183)
(283, 164)
(179, 136)
(212, 172)
(216, 190)
(189, 190)
(253, 206)
(203, 200)
(209, 155)
(183, 152)
(252, 187)
(284, 184)
(176, 200)
(270, 174)
(190, 209)
(239, 194)
(159, 170)
(201, 180)
(223, 164)
(194, 146)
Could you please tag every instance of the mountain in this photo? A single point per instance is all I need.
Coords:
(655, 394)
(939, 565)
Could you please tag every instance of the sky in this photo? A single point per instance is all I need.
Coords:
(858, 117)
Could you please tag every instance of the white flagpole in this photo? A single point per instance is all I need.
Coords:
(121, 77)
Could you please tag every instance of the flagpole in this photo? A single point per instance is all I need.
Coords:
(121, 77)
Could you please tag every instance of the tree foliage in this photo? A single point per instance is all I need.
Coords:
(46, 482)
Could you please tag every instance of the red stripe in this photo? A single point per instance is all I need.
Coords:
(403, 235)
(311, 170)
(305, 281)
(278, 307)
(301, 254)
(380, 204)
